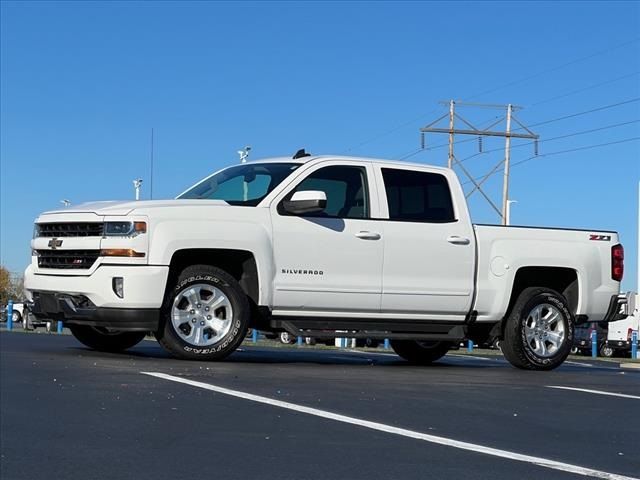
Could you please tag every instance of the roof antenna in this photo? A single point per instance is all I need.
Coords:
(300, 154)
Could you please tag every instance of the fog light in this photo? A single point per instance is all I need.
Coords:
(118, 286)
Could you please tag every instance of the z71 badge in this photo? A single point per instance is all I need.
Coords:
(600, 238)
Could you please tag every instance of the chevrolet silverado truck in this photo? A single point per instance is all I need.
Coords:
(321, 246)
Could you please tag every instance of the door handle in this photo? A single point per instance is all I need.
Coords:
(364, 235)
(456, 240)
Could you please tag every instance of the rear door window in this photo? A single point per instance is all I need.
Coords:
(418, 196)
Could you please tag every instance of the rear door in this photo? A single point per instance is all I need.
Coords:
(428, 265)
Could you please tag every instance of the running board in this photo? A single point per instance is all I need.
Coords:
(365, 328)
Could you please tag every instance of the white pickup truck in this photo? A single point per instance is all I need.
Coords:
(318, 246)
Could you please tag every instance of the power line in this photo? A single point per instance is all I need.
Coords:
(574, 92)
(389, 132)
(573, 134)
(486, 123)
(559, 152)
(577, 149)
(598, 109)
(601, 52)
(545, 122)
(553, 69)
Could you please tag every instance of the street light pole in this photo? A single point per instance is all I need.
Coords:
(508, 211)
(137, 183)
(244, 154)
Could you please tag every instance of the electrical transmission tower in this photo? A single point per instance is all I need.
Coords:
(508, 133)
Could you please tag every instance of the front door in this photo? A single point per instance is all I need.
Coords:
(329, 262)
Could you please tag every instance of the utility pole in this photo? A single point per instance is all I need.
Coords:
(508, 134)
(507, 162)
(451, 116)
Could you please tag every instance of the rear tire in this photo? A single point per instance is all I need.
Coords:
(538, 333)
(104, 340)
(16, 317)
(420, 352)
(205, 316)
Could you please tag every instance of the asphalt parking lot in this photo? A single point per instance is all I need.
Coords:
(278, 413)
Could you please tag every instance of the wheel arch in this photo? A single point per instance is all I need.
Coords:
(240, 264)
(563, 280)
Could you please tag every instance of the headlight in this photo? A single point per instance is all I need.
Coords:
(124, 229)
(36, 230)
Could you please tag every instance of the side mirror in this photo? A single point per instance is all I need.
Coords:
(309, 201)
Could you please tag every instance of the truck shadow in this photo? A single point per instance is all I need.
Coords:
(285, 356)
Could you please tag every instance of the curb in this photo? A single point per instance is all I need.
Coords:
(635, 366)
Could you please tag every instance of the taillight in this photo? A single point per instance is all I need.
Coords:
(617, 262)
(629, 334)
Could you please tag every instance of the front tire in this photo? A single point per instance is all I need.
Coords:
(606, 351)
(205, 315)
(105, 340)
(538, 333)
(420, 352)
(287, 338)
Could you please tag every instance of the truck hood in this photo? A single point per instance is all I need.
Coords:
(126, 207)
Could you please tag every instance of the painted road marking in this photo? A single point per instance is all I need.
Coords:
(539, 461)
(468, 356)
(578, 363)
(364, 352)
(597, 392)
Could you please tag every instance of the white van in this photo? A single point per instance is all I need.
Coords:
(619, 336)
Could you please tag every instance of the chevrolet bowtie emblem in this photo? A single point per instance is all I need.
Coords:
(55, 243)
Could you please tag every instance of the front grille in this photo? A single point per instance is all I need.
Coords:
(71, 229)
(76, 259)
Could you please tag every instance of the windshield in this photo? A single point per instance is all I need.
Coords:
(244, 185)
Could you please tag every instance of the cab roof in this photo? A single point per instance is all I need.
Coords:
(312, 158)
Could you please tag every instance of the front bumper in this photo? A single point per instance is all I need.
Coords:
(619, 344)
(91, 300)
(77, 310)
(143, 285)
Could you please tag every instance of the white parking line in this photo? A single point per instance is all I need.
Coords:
(596, 392)
(467, 356)
(578, 363)
(364, 352)
(542, 462)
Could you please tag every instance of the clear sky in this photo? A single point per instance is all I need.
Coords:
(83, 83)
